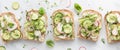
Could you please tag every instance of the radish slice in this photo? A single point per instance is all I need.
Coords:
(38, 33)
(59, 28)
(115, 31)
(67, 19)
(82, 48)
(34, 49)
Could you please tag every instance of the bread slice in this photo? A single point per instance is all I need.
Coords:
(89, 25)
(112, 26)
(31, 30)
(62, 19)
(10, 27)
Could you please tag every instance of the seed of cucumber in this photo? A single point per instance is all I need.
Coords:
(6, 36)
(16, 34)
(2, 48)
(67, 28)
(111, 18)
(15, 5)
(31, 35)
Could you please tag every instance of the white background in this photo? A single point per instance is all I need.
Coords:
(106, 5)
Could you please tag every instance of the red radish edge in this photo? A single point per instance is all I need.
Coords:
(34, 48)
(82, 47)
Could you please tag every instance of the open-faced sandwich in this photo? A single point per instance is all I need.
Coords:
(63, 25)
(9, 26)
(36, 25)
(89, 25)
(112, 23)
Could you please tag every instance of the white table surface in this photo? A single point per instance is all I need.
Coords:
(106, 5)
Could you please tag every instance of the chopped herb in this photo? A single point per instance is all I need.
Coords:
(77, 7)
(69, 49)
(46, 1)
(50, 43)
(50, 31)
(47, 32)
(50, 24)
(103, 40)
(6, 7)
(100, 8)
(24, 46)
(21, 12)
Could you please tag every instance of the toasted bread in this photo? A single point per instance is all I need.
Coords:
(5, 27)
(109, 38)
(42, 35)
(90, 36)
(70, 16)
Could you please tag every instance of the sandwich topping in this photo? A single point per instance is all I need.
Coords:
(89, 25)
(63, 24)
(36, 24)
(113, 25)
(9, 27)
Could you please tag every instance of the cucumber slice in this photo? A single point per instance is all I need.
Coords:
(6, 36)
(31, 35)
(15, 5)
(87, 23)
(111, 18)
(2, 48)
(39, 24)
(58, 17)
(34, 16)
(56, 32)
(67, 28)
(16, 34)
